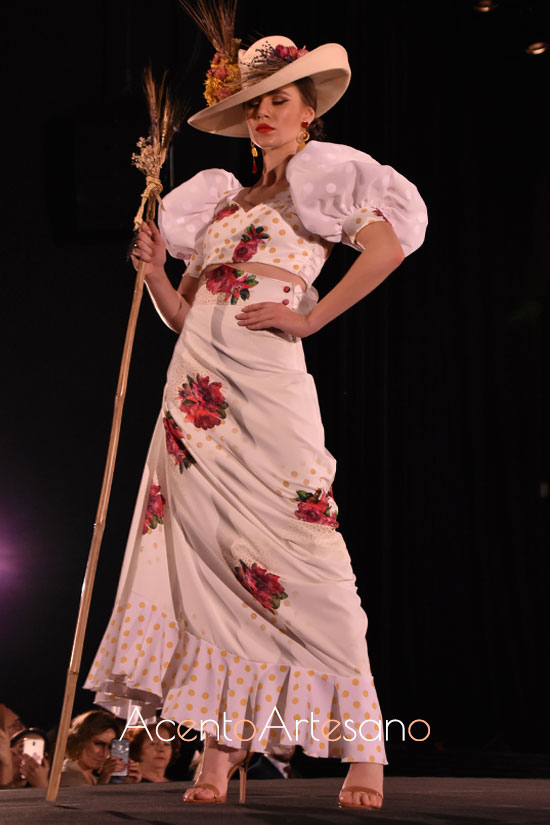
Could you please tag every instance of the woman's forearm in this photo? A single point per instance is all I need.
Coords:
(382, 254)
(168, 302)
(6, 762)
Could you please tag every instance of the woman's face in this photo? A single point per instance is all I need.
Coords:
(274, 119)
(154, 755)
(9, 721)
(96, 751)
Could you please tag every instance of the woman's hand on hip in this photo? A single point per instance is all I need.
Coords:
(266, 314)
(149, 247)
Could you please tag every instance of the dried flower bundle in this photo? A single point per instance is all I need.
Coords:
(216, 18)
(224, 77)
(166, 114)
(271, 59)
(217, 21)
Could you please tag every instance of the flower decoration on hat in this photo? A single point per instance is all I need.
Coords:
(217, 21)
(236, 74)
(223, 79)
(269, 59)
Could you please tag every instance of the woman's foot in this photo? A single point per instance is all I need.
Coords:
(368, 775)
(216, 763)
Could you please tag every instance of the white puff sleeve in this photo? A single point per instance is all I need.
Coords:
(337, 190)
(186, 212)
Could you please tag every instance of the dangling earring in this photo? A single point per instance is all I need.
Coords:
(303, 135)
(254, 156)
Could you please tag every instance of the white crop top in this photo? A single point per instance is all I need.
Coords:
(334, 191)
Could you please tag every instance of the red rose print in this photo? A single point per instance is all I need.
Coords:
(225, 211)
(174, 443)
(248, 245)
(244, 251)
(224, 279)
(257, 234)
(264, 586)
(202, 402)
(221, 279)
(154, 514)
(315, 507)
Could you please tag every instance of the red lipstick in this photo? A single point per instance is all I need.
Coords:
(264, 127)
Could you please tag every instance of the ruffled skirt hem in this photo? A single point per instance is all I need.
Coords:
(156, 664)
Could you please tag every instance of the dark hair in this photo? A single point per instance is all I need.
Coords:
(306, 87)
(89, 724)
(139, 737)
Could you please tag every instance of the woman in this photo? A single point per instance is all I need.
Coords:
(152, 752)
(88, 759)
(29, 770)
(12, 732)
(237, 595)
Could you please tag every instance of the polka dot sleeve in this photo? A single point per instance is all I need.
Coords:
(338, 190)
(186, 212)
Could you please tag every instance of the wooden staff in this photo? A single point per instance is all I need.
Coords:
(165, 116)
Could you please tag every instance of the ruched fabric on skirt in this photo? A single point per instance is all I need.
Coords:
(237, 599)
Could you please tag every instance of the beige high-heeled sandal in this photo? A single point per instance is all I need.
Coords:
(243, 768)
(361, 789)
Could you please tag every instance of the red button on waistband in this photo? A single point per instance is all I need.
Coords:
(284, 301)
(286, 289)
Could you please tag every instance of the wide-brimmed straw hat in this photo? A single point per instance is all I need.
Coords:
(267, 65)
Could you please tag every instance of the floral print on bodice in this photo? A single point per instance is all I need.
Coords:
(269, 233)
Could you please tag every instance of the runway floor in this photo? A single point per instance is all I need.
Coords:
(426, 800)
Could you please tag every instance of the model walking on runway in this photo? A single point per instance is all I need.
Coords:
(237, 601)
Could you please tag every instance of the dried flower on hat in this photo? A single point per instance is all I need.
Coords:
(236, 75)
(217, 21)
(270, 59)
(223, 79)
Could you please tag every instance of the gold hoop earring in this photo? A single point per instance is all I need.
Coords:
(303, 135)
(254, 153)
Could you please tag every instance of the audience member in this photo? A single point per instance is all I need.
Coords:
(153, 754)
(10, 721)
(30, 769)
(88, 759)
(10, 724)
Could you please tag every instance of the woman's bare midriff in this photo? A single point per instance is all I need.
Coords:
(267, 271)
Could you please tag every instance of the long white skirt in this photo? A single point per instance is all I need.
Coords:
(237, 611)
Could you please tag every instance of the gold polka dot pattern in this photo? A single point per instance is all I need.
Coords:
(365, 217)
(190, 625)
(280, 221)
(204, 681)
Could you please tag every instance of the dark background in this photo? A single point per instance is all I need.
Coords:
(434, 389)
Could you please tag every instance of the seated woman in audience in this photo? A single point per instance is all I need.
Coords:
(88, 759)
(12, 732)
(152, 753)
(30, 769)
(10, 722)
